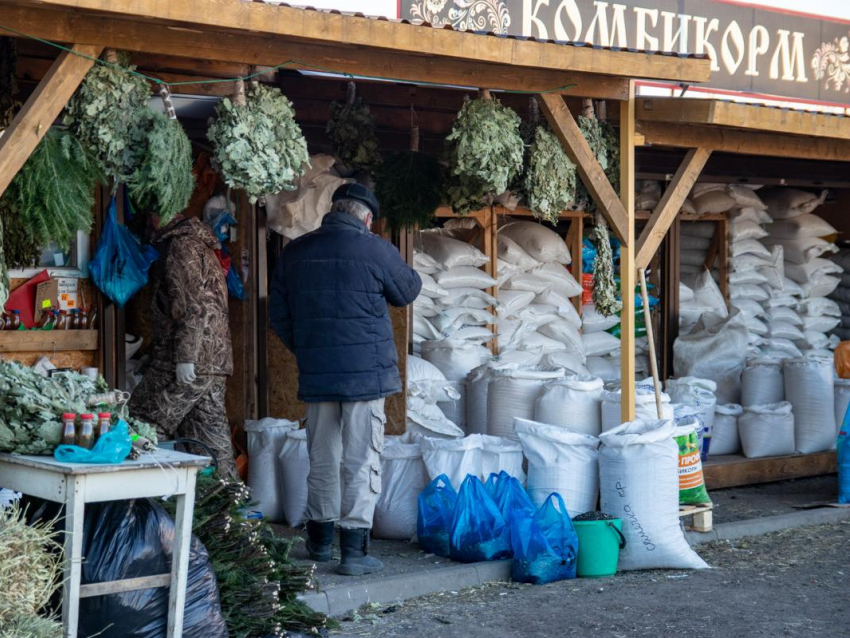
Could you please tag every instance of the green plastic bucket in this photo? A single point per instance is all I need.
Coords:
(599, 545)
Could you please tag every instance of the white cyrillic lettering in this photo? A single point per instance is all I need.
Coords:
(531, 21)
(600, 22)
(702, 44)
(681, 34)
(732, 61)
(759, 44)
(642, 39)
(791, 57)
(573, 15)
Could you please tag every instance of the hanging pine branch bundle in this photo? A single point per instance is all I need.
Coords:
(105, 114)
(605, 144)
(20, 249)
(409, 187)
(484, 152)
(604, 285)
(54, 191)
(259, 147)
(351, 129)
(550, 180)
(8, 81)
(164, 182)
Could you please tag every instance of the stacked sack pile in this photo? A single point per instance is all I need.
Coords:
(799, 306)
(841, 295)
(452, 314)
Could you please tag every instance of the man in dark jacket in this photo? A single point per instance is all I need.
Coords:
(183, 390)
(329, 306)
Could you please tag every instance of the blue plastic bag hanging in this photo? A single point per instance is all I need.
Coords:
(112, 447)
(479, 531)
(843, 451)
(120, 266)
(437, 504)
(545, 545)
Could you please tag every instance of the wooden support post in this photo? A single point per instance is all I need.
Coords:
(628, 271)
(564, 126)
(670, 299)
(670, 205)
(574, 239)
(490, 225)
(41, 109)
(723, 257)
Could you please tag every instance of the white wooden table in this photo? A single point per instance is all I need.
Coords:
(162, 473)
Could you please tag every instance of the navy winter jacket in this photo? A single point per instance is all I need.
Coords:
(329, 306)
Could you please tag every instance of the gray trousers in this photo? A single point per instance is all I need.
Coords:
(345, 441)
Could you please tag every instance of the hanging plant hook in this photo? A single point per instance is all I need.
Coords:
(165, 94)
(352, 93)
(414, 130)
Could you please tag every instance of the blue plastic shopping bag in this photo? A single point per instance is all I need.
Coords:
(844, 468)
(545, 545)
(513, 499)
(479, 531)
(120, 265)
(436, 509)
(112, 447)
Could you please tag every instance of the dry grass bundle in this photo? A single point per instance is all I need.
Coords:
(30, 565)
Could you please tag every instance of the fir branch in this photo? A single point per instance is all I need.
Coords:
(409, 187)
(164, 182)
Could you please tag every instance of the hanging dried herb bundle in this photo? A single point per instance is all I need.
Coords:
(8, 82)
(485, 153)
(409, 187)
(20, 250)
(604, 285)
(605, 144)
(54, 191)
(351, 129)
(106, 115)
(550, 179)
(258, 582)
(258, 144)
(164, 182)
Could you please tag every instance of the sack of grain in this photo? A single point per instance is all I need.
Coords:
(403, 477)
(762, 382)
(767, 430)
(724, 437)
(512, 394)
(574, 402)
(294, 467)
(809, 390)
(541, 243)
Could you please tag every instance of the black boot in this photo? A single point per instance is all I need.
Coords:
(354, 545)
(320, 537)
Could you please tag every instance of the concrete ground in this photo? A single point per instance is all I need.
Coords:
(734, 504)
(787, 584)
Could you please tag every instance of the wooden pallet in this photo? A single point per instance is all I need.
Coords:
(702, 516)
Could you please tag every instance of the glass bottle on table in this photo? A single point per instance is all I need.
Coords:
(104, 423)
(69, 430)
(85, 437)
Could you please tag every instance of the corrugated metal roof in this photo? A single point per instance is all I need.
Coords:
(522, 38)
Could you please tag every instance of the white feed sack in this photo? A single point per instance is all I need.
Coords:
(455, 409)
(724, 437)
(500, 454)
(715, 349)
(787, 203)
(512, 394)
(464, 277)
(809, 390)
(561, 461)
(562, 279)
(450, 253)
(512, 253)
(639, 483)
(455, 458)
(403, 477)
(540, 242)
(455, 358)
(698, 394)
(762, 382)
(767, 430)
(646, 407)
(294, 462)
(574, 402)
(265, 440)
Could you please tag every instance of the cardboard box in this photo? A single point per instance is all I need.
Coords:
(58, 293)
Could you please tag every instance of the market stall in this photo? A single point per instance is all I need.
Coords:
(396, 77)
(786, 152)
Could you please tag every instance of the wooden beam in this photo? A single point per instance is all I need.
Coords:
(744, 142)
(732, 471)
(563, 124)
(48, 341)
(42, 108)
(255, 19)
(670, 205)
(255, 49)
(744, 116)
(628, 272)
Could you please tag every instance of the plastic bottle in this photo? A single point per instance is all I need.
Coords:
(85, 437)
(69, 431)
(104, 423)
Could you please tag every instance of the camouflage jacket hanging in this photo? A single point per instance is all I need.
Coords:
(189, 301)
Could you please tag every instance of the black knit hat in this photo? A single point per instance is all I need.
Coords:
(359, 193)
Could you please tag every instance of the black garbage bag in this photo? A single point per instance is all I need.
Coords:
(129, 539)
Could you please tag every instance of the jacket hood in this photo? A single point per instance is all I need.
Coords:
(188, 228)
